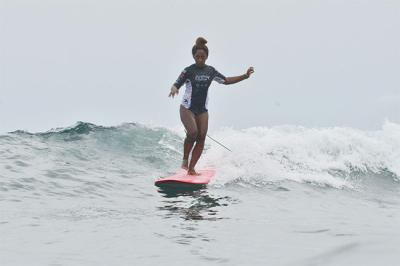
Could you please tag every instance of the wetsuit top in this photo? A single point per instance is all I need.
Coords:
(197, 79)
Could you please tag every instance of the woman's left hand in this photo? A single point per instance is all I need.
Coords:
(250, 71)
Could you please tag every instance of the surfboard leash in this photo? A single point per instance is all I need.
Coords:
(216, 142)
(220, 143)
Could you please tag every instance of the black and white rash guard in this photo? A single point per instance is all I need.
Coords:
(197, 79)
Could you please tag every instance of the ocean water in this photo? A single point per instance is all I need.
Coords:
(287, 195)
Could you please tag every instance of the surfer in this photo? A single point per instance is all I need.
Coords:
(193, 110)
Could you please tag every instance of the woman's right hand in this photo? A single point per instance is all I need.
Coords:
(174, 91)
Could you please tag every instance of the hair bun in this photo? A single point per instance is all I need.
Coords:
(201, 41)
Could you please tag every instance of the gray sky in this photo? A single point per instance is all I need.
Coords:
(318, 63)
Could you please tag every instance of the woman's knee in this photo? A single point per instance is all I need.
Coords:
(192, 136)
(201, 138)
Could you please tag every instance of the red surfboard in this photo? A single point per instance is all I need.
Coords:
(181, 178)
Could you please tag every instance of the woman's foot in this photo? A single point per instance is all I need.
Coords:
(192, 172)
(185, 164)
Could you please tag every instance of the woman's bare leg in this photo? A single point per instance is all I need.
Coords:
(202, 126)
(189, 122)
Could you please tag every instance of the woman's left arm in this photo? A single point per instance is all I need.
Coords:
(232, 80)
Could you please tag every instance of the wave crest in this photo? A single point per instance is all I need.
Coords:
(335, 156)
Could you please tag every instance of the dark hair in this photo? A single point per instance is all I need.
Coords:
(200, 45)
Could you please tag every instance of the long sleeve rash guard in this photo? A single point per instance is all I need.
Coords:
(197, 80)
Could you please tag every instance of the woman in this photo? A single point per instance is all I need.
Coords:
(193, 109)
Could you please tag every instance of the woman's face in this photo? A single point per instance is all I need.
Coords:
(200, 57)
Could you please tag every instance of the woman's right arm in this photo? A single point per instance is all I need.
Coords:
(178, 83)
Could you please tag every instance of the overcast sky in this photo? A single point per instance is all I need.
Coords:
(317, 63)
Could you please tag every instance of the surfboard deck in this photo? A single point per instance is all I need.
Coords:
(182, 179)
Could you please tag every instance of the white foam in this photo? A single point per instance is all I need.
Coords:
(326, 156)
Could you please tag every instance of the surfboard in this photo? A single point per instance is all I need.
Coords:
(182, 179)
